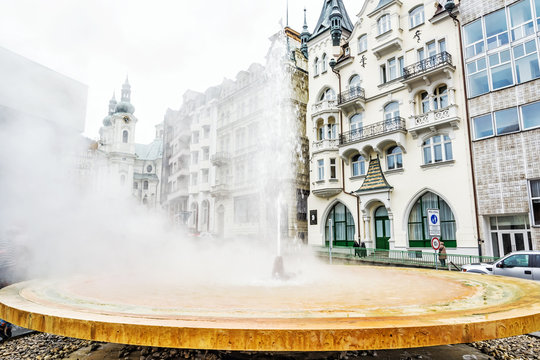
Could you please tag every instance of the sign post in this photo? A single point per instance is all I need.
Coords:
(434, 224)
(435, 244)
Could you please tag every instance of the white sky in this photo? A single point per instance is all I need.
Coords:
(165, 46)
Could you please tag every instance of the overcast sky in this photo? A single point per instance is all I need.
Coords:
(165, 46)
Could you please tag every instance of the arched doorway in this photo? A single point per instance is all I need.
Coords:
(194, 216)
(382, 228)
(205, 215)
(339, 226)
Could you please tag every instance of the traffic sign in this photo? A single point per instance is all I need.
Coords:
(435, 243)
(434, 222)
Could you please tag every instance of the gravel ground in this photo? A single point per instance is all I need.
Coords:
(40, 346)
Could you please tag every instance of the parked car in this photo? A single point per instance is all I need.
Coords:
(521, 264)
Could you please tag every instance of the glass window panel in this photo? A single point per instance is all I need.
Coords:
(437, 149)
(381, 211)
(494, 59)
(471, 67)
(519, 51)
(495, 244)
(493, 223)
(495, 23)
(391, 163)
(520, 241)
(473, 32)
(427, 155)
(530, 46)
(535, 188)
(448, 151)
(506, 121)
(501, 76)
(481, 64)
(483, 126)
(340, 212)
(399, 161)
(505, 55)
(527, 68)
(536, 211)
(531, 116)
(520, 13)
(478, 84)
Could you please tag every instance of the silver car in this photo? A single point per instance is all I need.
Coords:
(521, 264)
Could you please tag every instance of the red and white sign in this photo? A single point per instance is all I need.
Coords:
(435, 243)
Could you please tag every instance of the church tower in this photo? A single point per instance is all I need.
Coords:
(304, 37)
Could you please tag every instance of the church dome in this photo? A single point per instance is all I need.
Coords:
(124, 107)
(107, 120)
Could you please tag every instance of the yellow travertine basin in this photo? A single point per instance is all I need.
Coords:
(350, 308)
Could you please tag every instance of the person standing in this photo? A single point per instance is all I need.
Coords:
(442, 254)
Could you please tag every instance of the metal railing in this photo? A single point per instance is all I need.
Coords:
(354, 92)
(427, 64)
(419, 258)
(374, 130)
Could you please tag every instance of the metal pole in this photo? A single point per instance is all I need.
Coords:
(436, 265)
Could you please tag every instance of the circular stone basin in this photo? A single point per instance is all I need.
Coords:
(350, 308)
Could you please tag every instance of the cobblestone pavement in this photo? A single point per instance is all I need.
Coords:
(40, 346)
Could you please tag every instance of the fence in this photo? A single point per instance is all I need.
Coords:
(401, 257)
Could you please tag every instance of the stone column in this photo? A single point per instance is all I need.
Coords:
(391, 241)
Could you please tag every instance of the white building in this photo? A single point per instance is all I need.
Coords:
(387, 128)
(133, 168)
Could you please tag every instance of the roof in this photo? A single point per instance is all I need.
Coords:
(375, 179)
(324, 20)
(151, 151)
(139, 176)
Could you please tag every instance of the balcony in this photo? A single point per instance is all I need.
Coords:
(181, 192)
(429, 68)
(220, 190)
(324, 145)
(432, 120)
(220, 158)
(353, 99)
(389, 42)
(375, 136)
(325, 106)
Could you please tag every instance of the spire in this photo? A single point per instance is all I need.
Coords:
(335, 23)
(112, 104)
(126, 91)
(333, 10)
(304, 37)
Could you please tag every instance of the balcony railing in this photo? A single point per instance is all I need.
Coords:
(326, 144)
(324, 105)
(355, 92)
(374, 130)
(220, 158)
(427, 64)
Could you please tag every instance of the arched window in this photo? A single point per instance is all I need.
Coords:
(145, 185)
(418, 229)
(324, 63)
(320, 132)
(416, 16)
(356, 122)
(332, 131)
(328, 94)
(440, 98)
(316, 66)
(149, 168)
(358, 165)
(394, 158)
(355, 82)
(339, 226)
(362, 43)
(383, 24)
(125, 135)
(437, 149)
(391, 111)
(424, 102)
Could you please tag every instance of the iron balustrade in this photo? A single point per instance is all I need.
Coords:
(427, 64)
(354, 92)
(377, 129)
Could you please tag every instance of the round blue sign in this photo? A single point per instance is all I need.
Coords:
(434, 219)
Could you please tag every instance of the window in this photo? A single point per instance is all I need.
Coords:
(358, 165)
(383, 24)
(501, 69)
(506, 121)
(477, 77)
(333, 169)
(530, 115)
(320, 169)
(521, 23)
(149, 168)
(301, 204)
(537, 11)
(362, 43)
(401, 65)
(320, 132)
(316, 67)
(424, 101)
(535, 201)
(474, 39)
(328, 94)
(135, 185)
(122, 179)
(356, 123)
(339, 226)
(145, 185)
(526, 60)
(394, 158)
(125, 135)
(246, 209)
(416, 16)
(206, 132)
(204, 176)
(383, 73)
(354, 83)
(391, 110)
(324, 63)
(194, 178)
(205, 153)
(195, 137)
(440, 98)
(332, 131)
(483, 126)
(442, 45)
(437, 149)
(517, 260)
(496, 29)
(417, 224)
(392, 69)
(194, 158)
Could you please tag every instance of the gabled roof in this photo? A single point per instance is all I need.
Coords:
(324, 20)
(375, 179)
(151, 151)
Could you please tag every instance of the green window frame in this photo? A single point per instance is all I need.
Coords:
(418, 223)
(342, 226)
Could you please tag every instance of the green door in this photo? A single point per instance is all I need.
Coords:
(382, 228)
